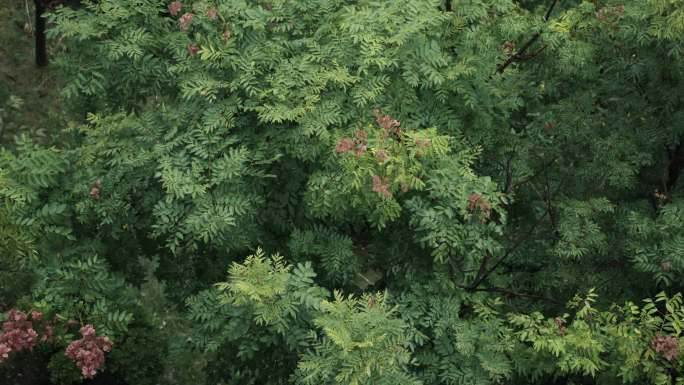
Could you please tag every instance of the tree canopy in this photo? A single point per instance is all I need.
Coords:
(349, 192)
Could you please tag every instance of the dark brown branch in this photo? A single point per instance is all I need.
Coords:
(485, 272)
(533, 176)
(548, 11)
(520, 54)
(508, 184)
(674, 168)
(517, 294)
(534, 54)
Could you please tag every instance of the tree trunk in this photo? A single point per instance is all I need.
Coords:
(41, 48)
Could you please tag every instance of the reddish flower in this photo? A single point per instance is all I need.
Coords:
(423, 142)
(175, 7)
(361, 136)
(4, 352)
(344, 145)
(192, 49)
(47, 334)
(476, 200)
(95, 190)
(226, 35)
(381, 186)
(185, 21)
(89, 352)
(382, 156)
(16, 316)
(387, 122)
(560, 324)
(212, 13)
(660, 196)
(667, 345)
(666, 266)
(36, 315)
(88, 331)
(17, 334)
(472, 201)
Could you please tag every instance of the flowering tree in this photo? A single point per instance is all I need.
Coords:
(477, 192)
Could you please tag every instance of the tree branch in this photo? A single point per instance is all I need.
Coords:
(520, 55)
(517, 294)
(484, 272)
(674, 168)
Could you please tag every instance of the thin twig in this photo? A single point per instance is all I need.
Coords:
(521, 52)
(517, 294)
(486, 272)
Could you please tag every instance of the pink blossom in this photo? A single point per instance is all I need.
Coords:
(89, 351)
(88, 331)
(175, 7)
(95, 190)
(667, 345)
(17, 334)
(382, 156)
(386, 122)
(423, 142)
(344, 145)
(47, 334)
(4, 352)
(192, 49)
(36, 315)
(212, 13)
(381, 186)
(226, 35)
(185, 21)
(477, 200)
(16, 315)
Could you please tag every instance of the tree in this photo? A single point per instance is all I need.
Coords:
(461, 192)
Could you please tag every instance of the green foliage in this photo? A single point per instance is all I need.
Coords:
(85, 291)
(433, 182)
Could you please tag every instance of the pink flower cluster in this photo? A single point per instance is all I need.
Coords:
(382, 156)
(89, 351)
(212, 13)
(18, 333)
(668, 346)
(381, 186)
(344, 145)
(185, 21)
(358, 144)
(478, 201)
(388, 124)
(192, 49)
(175, 7)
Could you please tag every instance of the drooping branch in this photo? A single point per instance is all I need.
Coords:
(512, 293)
(520, 54)
(484, 272)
